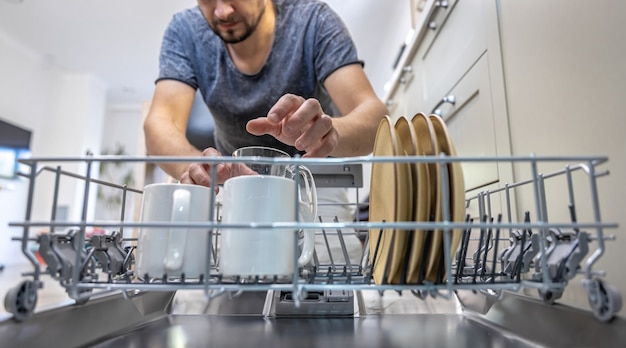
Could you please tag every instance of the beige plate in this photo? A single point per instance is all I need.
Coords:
(389, 196)
(431, 209)
(406, 138)
(456, 191)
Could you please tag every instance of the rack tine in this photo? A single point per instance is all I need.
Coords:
(343, 245)
(460, 271)
(386, 279)
(517, 271)
(374, 258)
(330, 254)
(476, 255)
(495, 251)
(484, 262)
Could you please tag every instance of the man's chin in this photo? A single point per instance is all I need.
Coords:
(231, 37)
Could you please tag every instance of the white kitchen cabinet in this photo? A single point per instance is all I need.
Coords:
(454, 41)
(453, 68)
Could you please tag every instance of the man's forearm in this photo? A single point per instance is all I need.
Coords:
(168, 141)
(357, 130)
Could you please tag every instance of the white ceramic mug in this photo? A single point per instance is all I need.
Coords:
(263, 199)
(177, 250)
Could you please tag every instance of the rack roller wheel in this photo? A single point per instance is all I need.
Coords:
(21, 300)
(605, 300)
(549, 296)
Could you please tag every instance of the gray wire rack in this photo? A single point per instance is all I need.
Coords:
(497, 252)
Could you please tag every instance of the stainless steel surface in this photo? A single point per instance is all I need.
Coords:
(78, 325)
(513, 321)
(391, 320)
(250, 303)
(378, 331)
(552, 326)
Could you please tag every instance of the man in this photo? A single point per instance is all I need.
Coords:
(271, 73)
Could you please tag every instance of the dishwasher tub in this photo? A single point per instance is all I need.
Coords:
(391, 320)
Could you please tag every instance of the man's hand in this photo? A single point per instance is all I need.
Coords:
(200, 173)
(300, 123)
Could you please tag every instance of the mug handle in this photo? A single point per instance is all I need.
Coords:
(308, 212)
(177, 237)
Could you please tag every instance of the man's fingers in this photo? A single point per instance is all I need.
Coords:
(314, 133)
(325, 146)
(186, 179)
(308, 113)
(198, 174)
(263, 125)
(300, 123)
(211, 152)
(284, 107)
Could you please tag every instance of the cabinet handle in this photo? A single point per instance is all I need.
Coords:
(450, 99)
(432, 25)
(406, 70)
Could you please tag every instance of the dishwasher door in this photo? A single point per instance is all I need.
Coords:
(391, 320)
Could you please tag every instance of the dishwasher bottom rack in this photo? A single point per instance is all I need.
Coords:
(507, 242)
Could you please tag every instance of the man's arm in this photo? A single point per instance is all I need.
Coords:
(360, 108)
(166, 124)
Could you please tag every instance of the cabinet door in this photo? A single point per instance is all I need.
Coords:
(451, 48)
(470, 122)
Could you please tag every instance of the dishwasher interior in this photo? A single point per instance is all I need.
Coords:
(477, 299)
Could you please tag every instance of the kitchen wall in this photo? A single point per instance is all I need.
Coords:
(65, 113)
(565, 83)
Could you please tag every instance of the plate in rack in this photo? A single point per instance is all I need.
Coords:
(430, 210)
(390, 197)
(456, 194)
(398, 264)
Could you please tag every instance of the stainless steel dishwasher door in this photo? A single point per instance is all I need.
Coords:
(429, 330)
(391, 320)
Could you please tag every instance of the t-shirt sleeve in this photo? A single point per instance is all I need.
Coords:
(174, 59)
(334, 45)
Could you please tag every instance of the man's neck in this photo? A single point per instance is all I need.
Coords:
(250, 55)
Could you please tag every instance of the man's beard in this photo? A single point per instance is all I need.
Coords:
(230, 37)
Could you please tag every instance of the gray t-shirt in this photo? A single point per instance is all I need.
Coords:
(310, 43)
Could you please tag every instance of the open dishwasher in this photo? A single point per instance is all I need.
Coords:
(476, 299)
